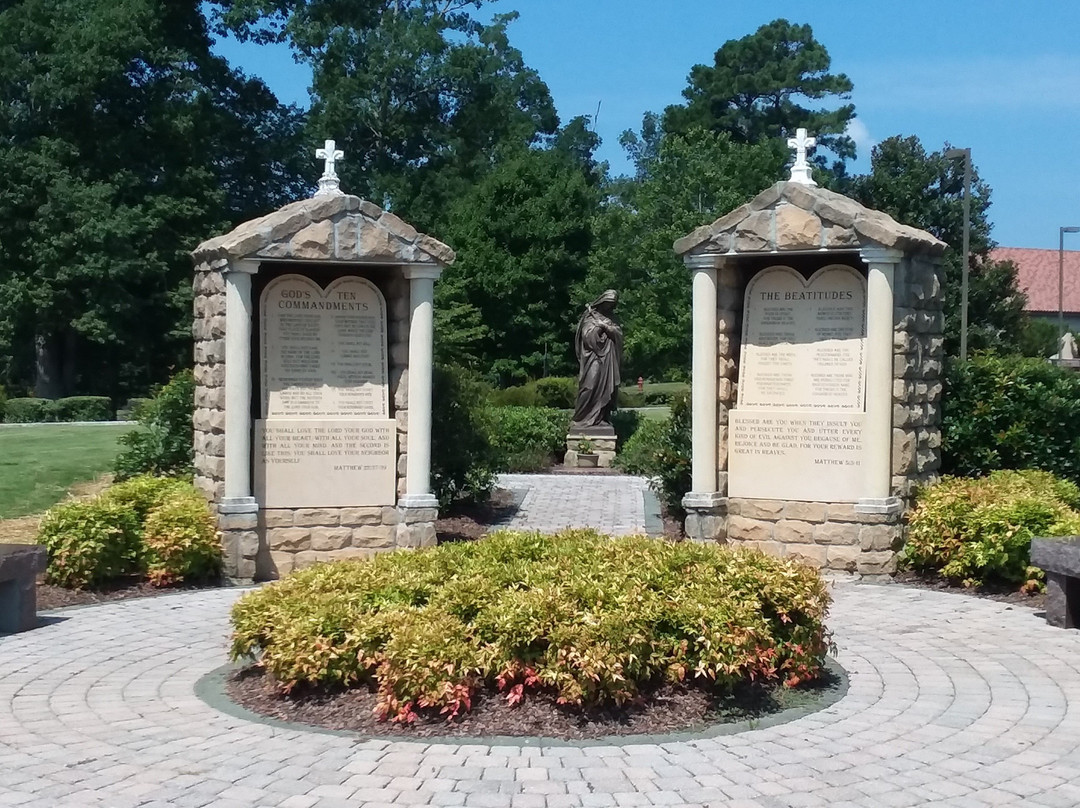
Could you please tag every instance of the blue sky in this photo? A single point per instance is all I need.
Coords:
(1001, 77)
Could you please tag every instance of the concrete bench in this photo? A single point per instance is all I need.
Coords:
(1060, 559)
(19, 568)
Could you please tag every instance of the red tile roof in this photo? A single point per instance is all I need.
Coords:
(1038, 277)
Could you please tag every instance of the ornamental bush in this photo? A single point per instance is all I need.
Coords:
(180, 539)
(158, 527)
(589, 619)
(977, 531)
(1010, 413)
(90, 543)
(463, 461)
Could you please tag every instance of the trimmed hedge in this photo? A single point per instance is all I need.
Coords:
(978, 530)
(1010, 413)
(159, 527)
(555, 392)
(587, 618)
(83, 408)
(29, 411)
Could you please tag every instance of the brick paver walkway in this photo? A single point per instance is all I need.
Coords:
(953, 701)
(615, 505)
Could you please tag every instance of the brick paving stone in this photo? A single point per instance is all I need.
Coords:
(612, 504)
(953, 701)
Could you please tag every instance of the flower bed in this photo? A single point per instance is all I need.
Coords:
(579, 617)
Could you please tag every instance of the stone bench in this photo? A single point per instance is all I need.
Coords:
(1060, 559)
(19, 568)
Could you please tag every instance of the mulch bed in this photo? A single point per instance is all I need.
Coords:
(665, 710)
(56, 597)
(1000, 593)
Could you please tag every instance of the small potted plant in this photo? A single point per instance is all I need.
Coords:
(586, 457)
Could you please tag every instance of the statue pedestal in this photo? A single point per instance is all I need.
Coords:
(590, 447)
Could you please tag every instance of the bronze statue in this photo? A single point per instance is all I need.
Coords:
(598, 344)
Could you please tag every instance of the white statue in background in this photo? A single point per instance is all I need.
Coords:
(1067, 348)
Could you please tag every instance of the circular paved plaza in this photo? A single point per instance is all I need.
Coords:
(953, 701)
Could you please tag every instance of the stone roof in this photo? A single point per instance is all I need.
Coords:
(791, 216)
(328, 228)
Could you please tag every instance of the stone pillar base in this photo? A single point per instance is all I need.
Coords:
(706, 517)
(416, 527)
(587, 449)
(238, 521)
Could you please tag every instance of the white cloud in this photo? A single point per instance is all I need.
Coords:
(857, 131)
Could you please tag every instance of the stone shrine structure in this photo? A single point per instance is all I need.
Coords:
(817, 365)
(313, 361)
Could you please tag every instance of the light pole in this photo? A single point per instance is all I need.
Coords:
(1061, 276)
(966, 154)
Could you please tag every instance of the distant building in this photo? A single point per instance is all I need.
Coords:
(1038, 278)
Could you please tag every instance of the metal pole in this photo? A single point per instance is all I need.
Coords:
(1061, 276)
(967, 250)
(1061, 282)
(966, 154)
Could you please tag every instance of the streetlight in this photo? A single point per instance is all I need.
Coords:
(966, 154)
(1061, 276)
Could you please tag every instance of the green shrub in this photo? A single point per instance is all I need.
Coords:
(589, 619)
(660, 450)
(90, 543)
(158, 526)
(164, 443)
(83, 408)
(1010, 413)
(631, 399)
(29, 411)
(3, 401)
(979, 530)
(557, 392)
(639, 455)
(522, 396)
(180, 539)
(528, 438)
(142, 494)
(626, 423)
(132, 409)
(463, 461)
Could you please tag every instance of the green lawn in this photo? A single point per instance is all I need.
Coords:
(39, 463)
(665, 388)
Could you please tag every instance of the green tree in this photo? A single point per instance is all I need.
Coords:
(926, 190)
(123, 142)
(752, 89)
(691, 180)
(523, 235)
(419, 93)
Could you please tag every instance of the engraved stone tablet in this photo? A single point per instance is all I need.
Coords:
(804, 342)
(810, 456)
(325, 463)
(323, 350)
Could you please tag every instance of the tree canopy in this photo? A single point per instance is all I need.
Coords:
(755, 88)
(123, 142)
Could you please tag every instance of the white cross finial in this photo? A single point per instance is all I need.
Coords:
(328, 182)
(800, 172)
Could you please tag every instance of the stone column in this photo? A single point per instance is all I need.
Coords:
(238, 511)
(238, 498)
(877, 435)
(704, 504)
(421, 337)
